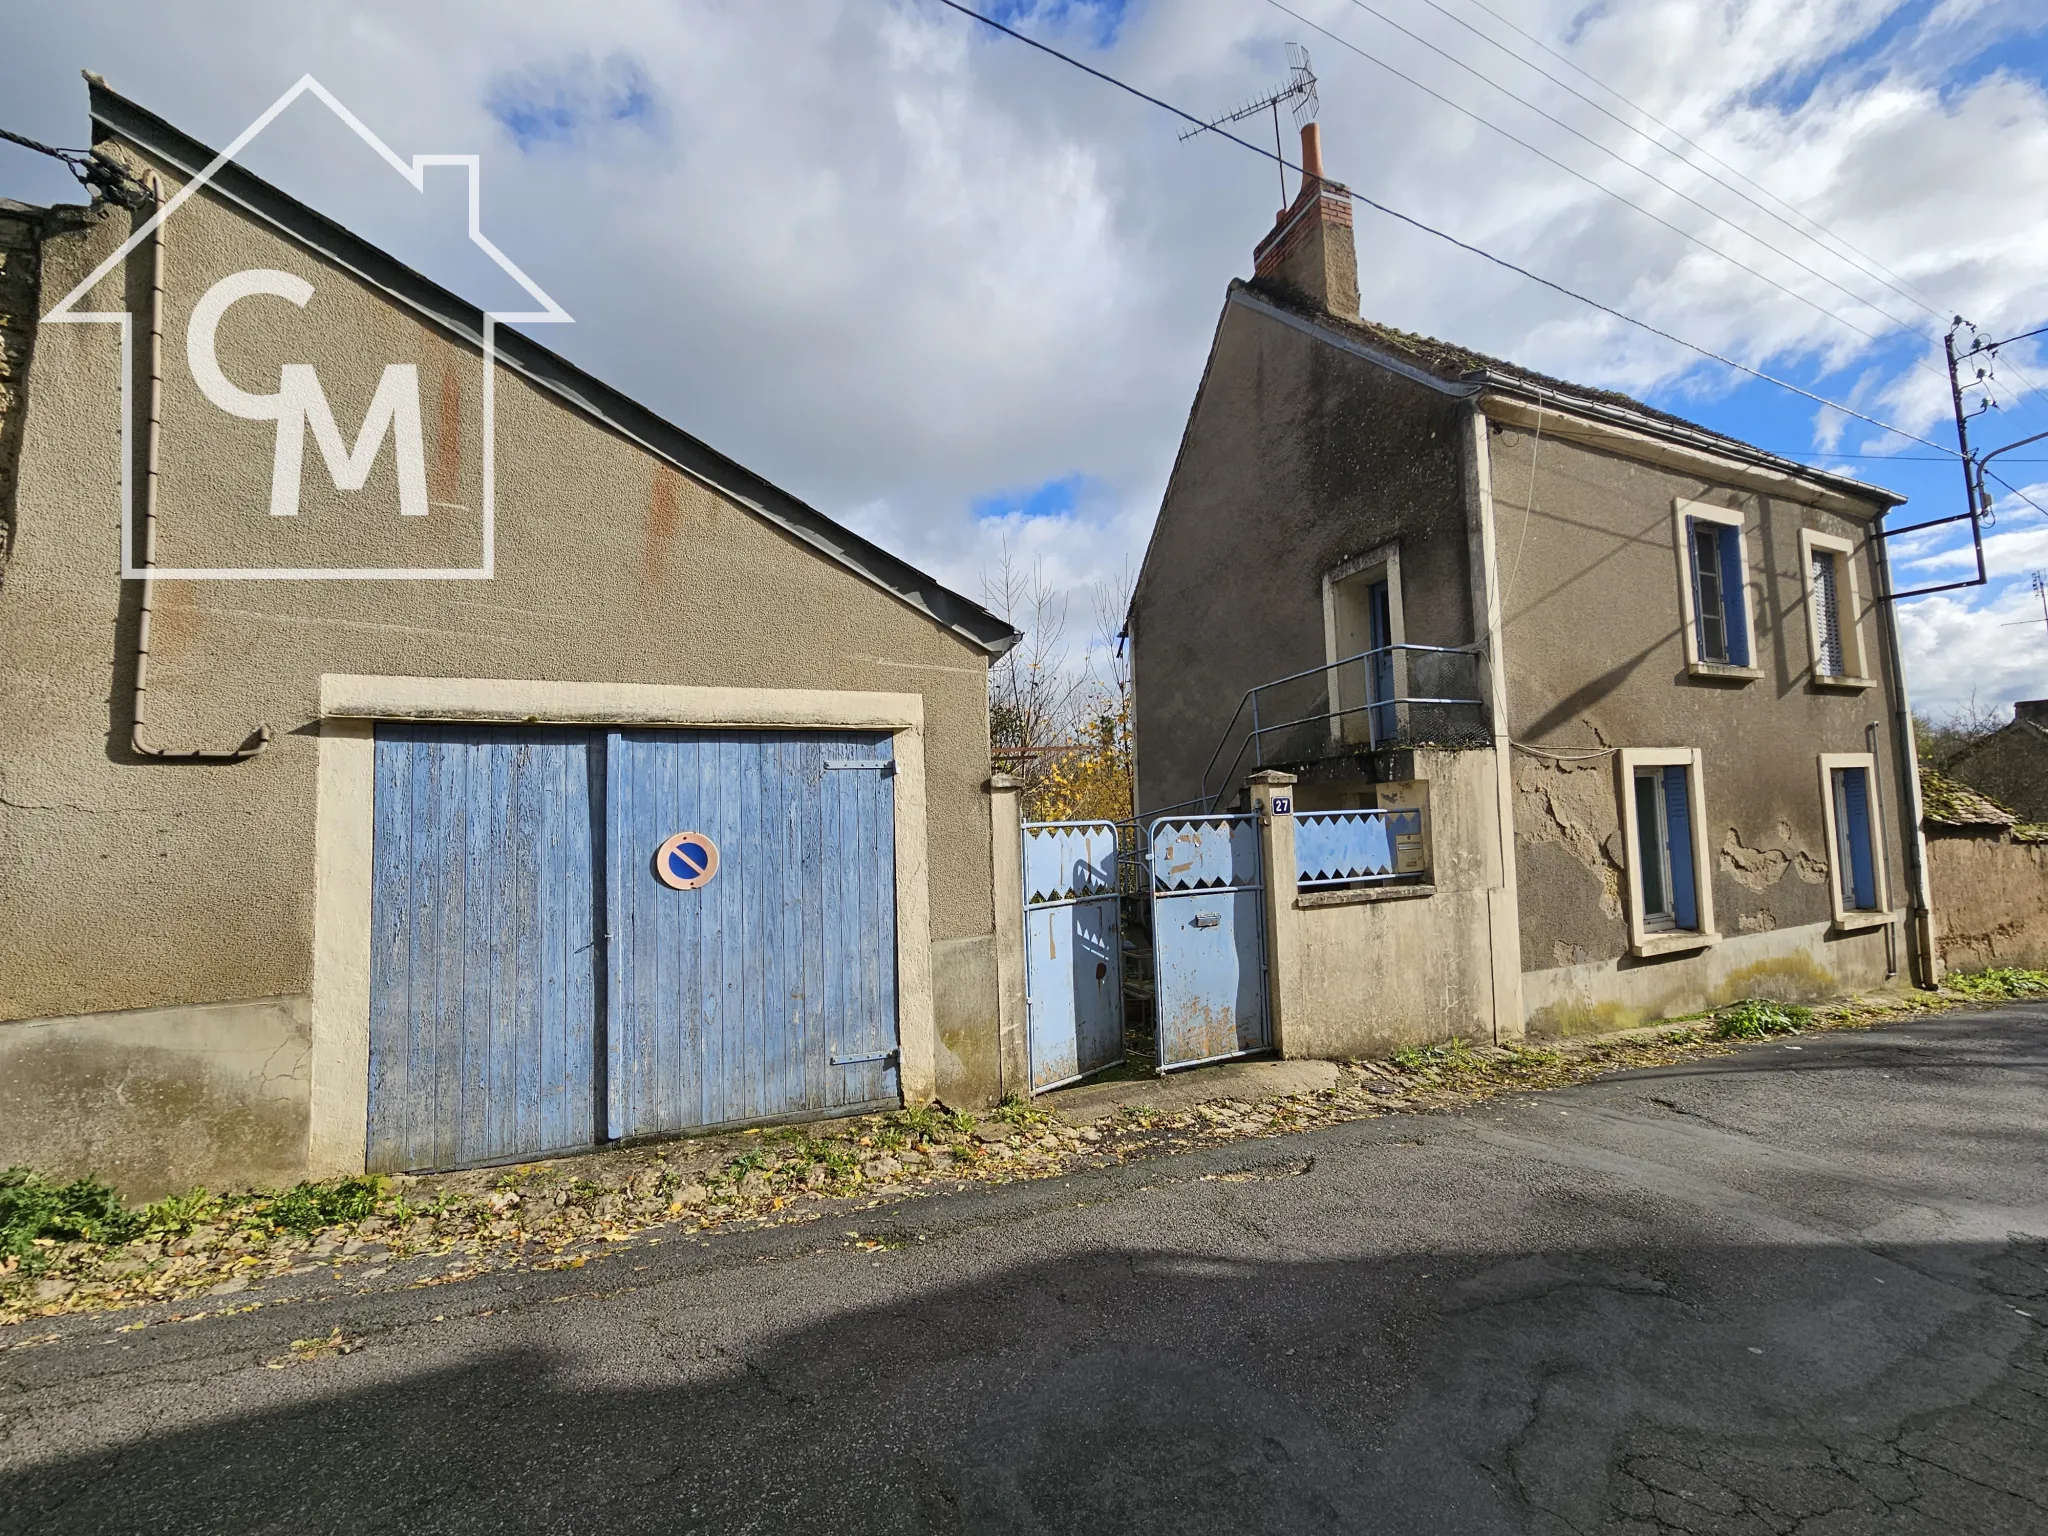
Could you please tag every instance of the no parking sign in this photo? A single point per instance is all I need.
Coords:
(686, 861)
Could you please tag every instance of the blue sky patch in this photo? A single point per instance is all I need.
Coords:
(565, 103)
(1052, 498)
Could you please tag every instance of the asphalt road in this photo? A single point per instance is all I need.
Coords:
(1803, 1288)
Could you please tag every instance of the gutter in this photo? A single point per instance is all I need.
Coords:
(1926, 960)
(139, 713)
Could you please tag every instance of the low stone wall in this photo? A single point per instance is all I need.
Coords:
(1990, 901)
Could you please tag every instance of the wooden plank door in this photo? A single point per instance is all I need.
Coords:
(483, 965)
(766, 990)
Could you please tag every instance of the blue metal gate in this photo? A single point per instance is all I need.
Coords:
(1208, 938)
(768, 990)
(483, 994)
(1073, 948)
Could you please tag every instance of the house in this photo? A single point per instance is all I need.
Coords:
(610, 792)
(2011, 764)
(1629, 682)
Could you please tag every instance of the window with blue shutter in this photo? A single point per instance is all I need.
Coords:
(1855, 861)
(1720, 607)
(1666, 862)
(1685, 908)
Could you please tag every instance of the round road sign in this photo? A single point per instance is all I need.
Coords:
(686, 861)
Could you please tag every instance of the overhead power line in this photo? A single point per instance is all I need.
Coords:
(1847, 252)
(1682, 233)
(1578, 69)
(1449, 239)
(1619, 159)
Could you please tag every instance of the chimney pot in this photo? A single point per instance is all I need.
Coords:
(1312, 150)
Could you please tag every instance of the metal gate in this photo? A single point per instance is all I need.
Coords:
(1073, 949)
(1209, 939)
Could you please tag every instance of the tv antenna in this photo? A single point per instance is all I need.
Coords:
(1300, 95)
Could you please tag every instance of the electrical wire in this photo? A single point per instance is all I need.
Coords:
(1848, 253)
(1615, 156)
(1682, 233)
(1583, 73)
(1449, 239)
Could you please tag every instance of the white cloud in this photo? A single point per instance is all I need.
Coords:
(897, 264)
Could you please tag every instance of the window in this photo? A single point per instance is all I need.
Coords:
(1714, 588)
(1832, 601)
(1670, 899)
(1848, 783)
(1362, 635)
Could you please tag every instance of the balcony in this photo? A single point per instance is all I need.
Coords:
(1397, 696)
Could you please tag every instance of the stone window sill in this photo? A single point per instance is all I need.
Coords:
(1672, 943)
(1310, 899)
(1856, 922)
(1722, 672)
(1844, 684)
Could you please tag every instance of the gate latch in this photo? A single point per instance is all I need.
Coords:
(1206, 919)
(856, 1061)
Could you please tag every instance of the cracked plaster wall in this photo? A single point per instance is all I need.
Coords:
(161, 1099)
(1590, 575)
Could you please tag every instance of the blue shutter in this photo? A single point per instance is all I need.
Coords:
(1855, 811)
(1685, 907)
(1734, 598)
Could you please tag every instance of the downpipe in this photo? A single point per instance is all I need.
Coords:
(137, 743)
(1921, 952)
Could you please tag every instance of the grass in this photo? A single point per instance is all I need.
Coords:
(37, 1213)
(2001, 983)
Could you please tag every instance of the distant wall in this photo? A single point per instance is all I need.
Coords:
(1990, 901)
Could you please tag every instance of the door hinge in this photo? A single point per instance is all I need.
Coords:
(886, 764)
(856, 1061)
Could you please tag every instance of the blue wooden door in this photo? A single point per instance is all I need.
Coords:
(483, 999)
(768, 991)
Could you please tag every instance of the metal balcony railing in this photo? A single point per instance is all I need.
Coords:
(1396, 696)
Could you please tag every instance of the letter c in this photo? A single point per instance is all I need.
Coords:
(199, 341)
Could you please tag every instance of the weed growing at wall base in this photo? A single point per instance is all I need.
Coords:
(1756, 1018)
(2000, 983)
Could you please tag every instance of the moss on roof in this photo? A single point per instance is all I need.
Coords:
(1948, 802)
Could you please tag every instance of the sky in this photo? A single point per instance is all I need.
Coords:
(958, 295)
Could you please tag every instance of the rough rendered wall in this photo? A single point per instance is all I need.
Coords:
(1297, 457)
(132, 885)
(1591, 593)
(20, 252)
(1990, 900)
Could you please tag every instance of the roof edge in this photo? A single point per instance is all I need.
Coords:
(550, 371)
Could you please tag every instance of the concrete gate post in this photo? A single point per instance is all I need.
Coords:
(1006, 834)
(1276, 856)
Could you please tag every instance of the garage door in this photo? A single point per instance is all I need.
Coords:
(580, 935)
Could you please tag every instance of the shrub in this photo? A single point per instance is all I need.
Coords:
(1756, 1018)
(83, 1211)
(2001, 983)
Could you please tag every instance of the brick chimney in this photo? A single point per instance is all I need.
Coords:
(1310, 254)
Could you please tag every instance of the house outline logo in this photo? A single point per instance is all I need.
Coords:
(294, 394)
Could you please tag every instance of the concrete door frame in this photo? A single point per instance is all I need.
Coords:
(350, 707)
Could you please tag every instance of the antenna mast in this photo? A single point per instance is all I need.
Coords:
(1299, 92)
